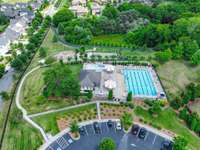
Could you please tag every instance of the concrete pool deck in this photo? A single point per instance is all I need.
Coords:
(143, 84)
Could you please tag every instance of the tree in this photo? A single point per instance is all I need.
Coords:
(90, 94)
(178, 51)
(110, 94)
(127, 120)
(5, 95)
(129, 97)
(61, 28)
(155, 108)
(164, 56)
(107, 144)
(74, 128)
(189, 49)
(60, 82)
(42, 52)
(110, 11)
(2, 70)
(196, 58)
(180, 143)
(63, 15)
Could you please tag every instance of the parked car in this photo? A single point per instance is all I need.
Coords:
(167, 145)
(96, 127)
(82, 131)
(142, 133)
(110, 123)
(118, 126)
(135, 129)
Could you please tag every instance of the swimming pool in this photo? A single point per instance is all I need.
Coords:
(139, 82)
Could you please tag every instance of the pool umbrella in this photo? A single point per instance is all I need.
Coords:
(110, 84)
(110, 68)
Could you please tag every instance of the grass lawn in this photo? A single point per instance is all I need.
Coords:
(19, 134)
(113, 39)
(168, 120)
(32, 91)
(52, 48)
(49, 121)
(175, 75)
(15, 1)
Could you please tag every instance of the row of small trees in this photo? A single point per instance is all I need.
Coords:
(20, 61)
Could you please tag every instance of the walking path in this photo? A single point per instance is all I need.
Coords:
(24, 112)
(70, 107)
(98, 111)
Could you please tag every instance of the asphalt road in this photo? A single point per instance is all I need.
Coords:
(91, 140)
(5, 84)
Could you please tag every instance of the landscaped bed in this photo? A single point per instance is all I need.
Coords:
(55, 122)
(109, 111)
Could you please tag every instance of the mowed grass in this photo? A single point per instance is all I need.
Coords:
(31, 94)
(113, 39)
(51, 47)
(167, 119)
(49, 121)
(175, 75)
(23, 137)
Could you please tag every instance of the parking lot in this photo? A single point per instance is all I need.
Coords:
(89, 140)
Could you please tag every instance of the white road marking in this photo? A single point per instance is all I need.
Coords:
(86, 130)
(154, 139)
(133, 145)
(146, 136)
(107, 127)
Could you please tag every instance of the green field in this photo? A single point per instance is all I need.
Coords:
(175, 75)
(31, 94)
(113, 39)
(51, 47)
(20, 135)
(167, 119)
(48, 122)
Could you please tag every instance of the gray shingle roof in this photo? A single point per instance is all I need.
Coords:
(90, 78)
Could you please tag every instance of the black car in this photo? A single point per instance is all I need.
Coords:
(135, 129)
(166, 145)
(96, 127)
(110, 123)
(142, 133)
(82, 131)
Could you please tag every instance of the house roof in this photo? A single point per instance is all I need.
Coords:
(90, 78)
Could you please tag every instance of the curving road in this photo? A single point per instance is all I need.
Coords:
(24, 112)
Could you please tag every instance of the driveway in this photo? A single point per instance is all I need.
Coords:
(90, 140)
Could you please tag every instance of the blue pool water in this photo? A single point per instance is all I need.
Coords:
(139, 82)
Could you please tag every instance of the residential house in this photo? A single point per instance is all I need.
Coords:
(96, 9)
(79, 10)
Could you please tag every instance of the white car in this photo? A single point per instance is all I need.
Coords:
(118, 126)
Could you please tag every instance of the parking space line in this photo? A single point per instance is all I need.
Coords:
(93, 128)
(101, 131)
(146, 136)
(86, 130)
(154, 140)
(107, 127)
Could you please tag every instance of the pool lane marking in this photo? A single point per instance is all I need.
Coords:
(154, 140)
